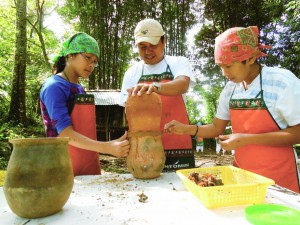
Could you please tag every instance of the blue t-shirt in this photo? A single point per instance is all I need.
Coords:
(57, 101)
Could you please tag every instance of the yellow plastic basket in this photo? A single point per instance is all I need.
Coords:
(240, 186)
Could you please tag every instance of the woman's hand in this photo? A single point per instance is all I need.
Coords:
(232, 141)
(120, 147)
(175, 127)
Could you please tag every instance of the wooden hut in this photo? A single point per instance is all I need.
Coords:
(110, 116)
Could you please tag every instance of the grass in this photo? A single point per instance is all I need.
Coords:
(2, 176)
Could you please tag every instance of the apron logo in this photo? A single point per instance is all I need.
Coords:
(144, 32)
(176, 165)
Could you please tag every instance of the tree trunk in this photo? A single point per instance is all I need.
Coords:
(38, 28)
(17, 111)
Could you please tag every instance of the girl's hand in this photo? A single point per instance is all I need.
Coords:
(120, 147)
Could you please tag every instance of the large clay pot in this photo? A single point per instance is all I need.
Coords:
(39, 177)
(146, 157)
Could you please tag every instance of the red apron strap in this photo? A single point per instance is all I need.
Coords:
(83, 118)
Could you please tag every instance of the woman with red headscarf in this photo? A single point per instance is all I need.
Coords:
(262, 104)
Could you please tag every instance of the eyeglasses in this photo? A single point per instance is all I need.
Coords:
(89, 60)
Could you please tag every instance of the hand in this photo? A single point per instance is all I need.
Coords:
(232, 141)
(140, 89)
(120, 147)
(174, 127)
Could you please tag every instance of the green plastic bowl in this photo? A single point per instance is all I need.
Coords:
(271, 214)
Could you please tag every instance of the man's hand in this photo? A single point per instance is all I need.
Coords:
(140, 89)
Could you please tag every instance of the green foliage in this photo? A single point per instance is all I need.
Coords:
(7, 38)
(284, 36)
(111, 25)
(279, 26)
(220, 15)
(37, 67)
(297, 148)
(194, 106)
(211, 97)
(10, 131)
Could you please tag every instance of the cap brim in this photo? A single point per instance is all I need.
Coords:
(151, 40)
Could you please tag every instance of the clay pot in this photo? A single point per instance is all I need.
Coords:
(143, 113)
(39, 177)
(146, 157)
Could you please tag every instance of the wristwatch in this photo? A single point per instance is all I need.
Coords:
(157, 86)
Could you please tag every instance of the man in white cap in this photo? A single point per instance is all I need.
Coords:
(170, 77)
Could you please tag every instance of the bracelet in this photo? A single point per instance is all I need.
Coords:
(195, 135)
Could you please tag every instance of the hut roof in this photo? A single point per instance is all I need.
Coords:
(106, 97)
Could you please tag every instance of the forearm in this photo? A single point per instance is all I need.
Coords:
(177, 86)
(81, 141)
(206, 131)
(286, 137)
(216, 128)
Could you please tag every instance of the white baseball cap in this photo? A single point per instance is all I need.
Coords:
(148, 30)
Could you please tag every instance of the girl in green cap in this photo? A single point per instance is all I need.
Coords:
(67, 111)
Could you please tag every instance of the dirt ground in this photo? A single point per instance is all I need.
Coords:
(114, 165)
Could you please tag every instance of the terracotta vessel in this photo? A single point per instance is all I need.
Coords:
(39, 177)
(146, 158)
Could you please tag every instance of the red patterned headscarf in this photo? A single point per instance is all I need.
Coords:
(238, 44)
